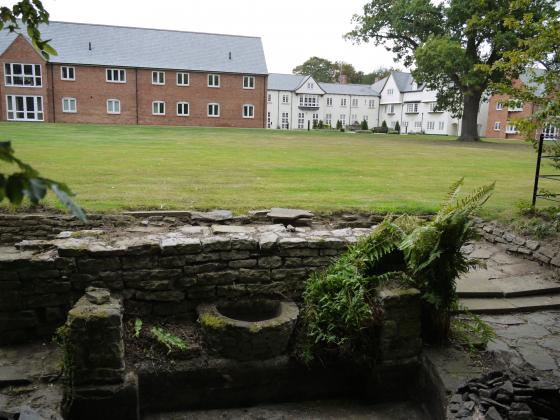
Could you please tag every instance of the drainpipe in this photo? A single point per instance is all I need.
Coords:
(136, 92)
(50, 65)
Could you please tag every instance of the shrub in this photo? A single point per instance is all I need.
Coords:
(170, 341)
(320, 125)
(341, 307)
(314, 124)
(364, 125)
(384, 124)
(380, 129)
(397, 127)
(338, 125)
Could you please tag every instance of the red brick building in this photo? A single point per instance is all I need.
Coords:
(503, 111)
(121, 75)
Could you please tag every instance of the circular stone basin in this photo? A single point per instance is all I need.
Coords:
(247, 329)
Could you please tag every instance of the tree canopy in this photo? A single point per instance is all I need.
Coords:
(324, 70)
(449, 42)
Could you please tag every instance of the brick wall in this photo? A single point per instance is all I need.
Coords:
(91, 90)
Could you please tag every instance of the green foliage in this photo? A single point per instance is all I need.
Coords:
(315, 124)
(137, 327)
(27, 183)
(341, 304)
(397, 127)
(538, 223)
(471, 332)
(454, 44)
(339, 125)
(384, 124)
(32, 14)
(170, 341)
(320, 125)
(321, 69)
(364, 125)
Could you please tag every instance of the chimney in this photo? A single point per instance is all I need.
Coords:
(343, 79)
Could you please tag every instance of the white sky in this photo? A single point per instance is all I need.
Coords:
(291, 30)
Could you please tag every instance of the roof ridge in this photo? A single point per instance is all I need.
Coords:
(153, 29)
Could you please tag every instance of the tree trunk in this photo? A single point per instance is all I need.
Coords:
(471, 105)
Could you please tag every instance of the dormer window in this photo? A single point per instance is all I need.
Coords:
(310, 85)
(389, 91)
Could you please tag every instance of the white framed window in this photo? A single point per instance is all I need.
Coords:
(551, 132)
(248, 111)
(158, 78)
(354, 102)
(214, 110)
(441, 125)
(113, 106)
(285, 98)
(353, 118)
(248, 82)
(18, 74)
(434, 108)
(343, 119)
(412, 108)
(328, 119)
(497, 126)
(115, 75)
(285, 120)
(268, 120)
(371, 103)
(499, 106)
(315, 119)
(67, 73)
(343, 101)
(431, 125)
(183, 79)
(389, 91)
(515, 105)
(329, 101)
(365, 118)
(158, 108)
(301, 120)
(390, 109)
(69, 105)
(418, 124)
(214, 80)
(269, 98)
(511, 129)
(310, 85)
(25, 108)
(309, 101)
(183, 109)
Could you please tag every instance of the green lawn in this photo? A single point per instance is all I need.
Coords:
(137, 167)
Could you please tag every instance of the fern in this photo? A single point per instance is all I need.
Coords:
(170, 341)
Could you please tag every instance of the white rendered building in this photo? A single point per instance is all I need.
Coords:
(294, 101)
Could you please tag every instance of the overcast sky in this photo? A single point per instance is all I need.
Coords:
(291, 30)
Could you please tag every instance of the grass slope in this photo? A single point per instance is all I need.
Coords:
(139, 167)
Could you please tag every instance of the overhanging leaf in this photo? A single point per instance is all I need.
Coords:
(64, 197)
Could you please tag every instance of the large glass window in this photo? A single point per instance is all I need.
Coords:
(17, 74)
(116, 76)
(25, 108)
(69, 105)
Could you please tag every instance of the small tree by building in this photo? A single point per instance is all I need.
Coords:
(364, 125)
(338, 125)
(384, 124)
(397, 127)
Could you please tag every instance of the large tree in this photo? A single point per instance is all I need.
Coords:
(450, 42)
(321, 69)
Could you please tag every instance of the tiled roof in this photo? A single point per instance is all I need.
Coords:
(405, 82)
(149, 48)
(290, 82)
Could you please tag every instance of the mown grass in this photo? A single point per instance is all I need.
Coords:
(138, 167)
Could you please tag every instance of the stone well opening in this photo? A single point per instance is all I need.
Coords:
(250, 311)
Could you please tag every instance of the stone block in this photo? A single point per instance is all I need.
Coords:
(216, 243)
(31, 274)
(532, 245)
(299, 252)
(202, 292)
(253, 276)
(18, 320)
(270, 262)
(172, 261)
(541, 257)
(217, 277)
(268, 241)
(139, 262)
(290, 243)
(95, 265)
(180, 245)
(161, 296)
(249, 263)
(293, 262)
(206, 268)
(245, 244)
(547, 251)
(234, 255)
(289, 274)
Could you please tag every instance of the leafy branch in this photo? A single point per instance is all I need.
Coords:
(28, 183)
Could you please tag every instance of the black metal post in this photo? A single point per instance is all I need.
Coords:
(538, 169)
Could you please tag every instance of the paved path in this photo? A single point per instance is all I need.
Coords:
(508, 283)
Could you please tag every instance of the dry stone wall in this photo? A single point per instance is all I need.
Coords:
(158, 274)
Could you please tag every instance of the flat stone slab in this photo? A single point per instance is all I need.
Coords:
(289, 214)
(212, 216)
(527, 285)
(163, 213)
(217, 229)
(510, 305)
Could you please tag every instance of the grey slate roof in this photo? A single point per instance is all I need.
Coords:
(378, 86)
(349, 89)
(405, 82)
(290, 82)
(150, 48)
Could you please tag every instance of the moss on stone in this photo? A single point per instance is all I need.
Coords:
(212, 321)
